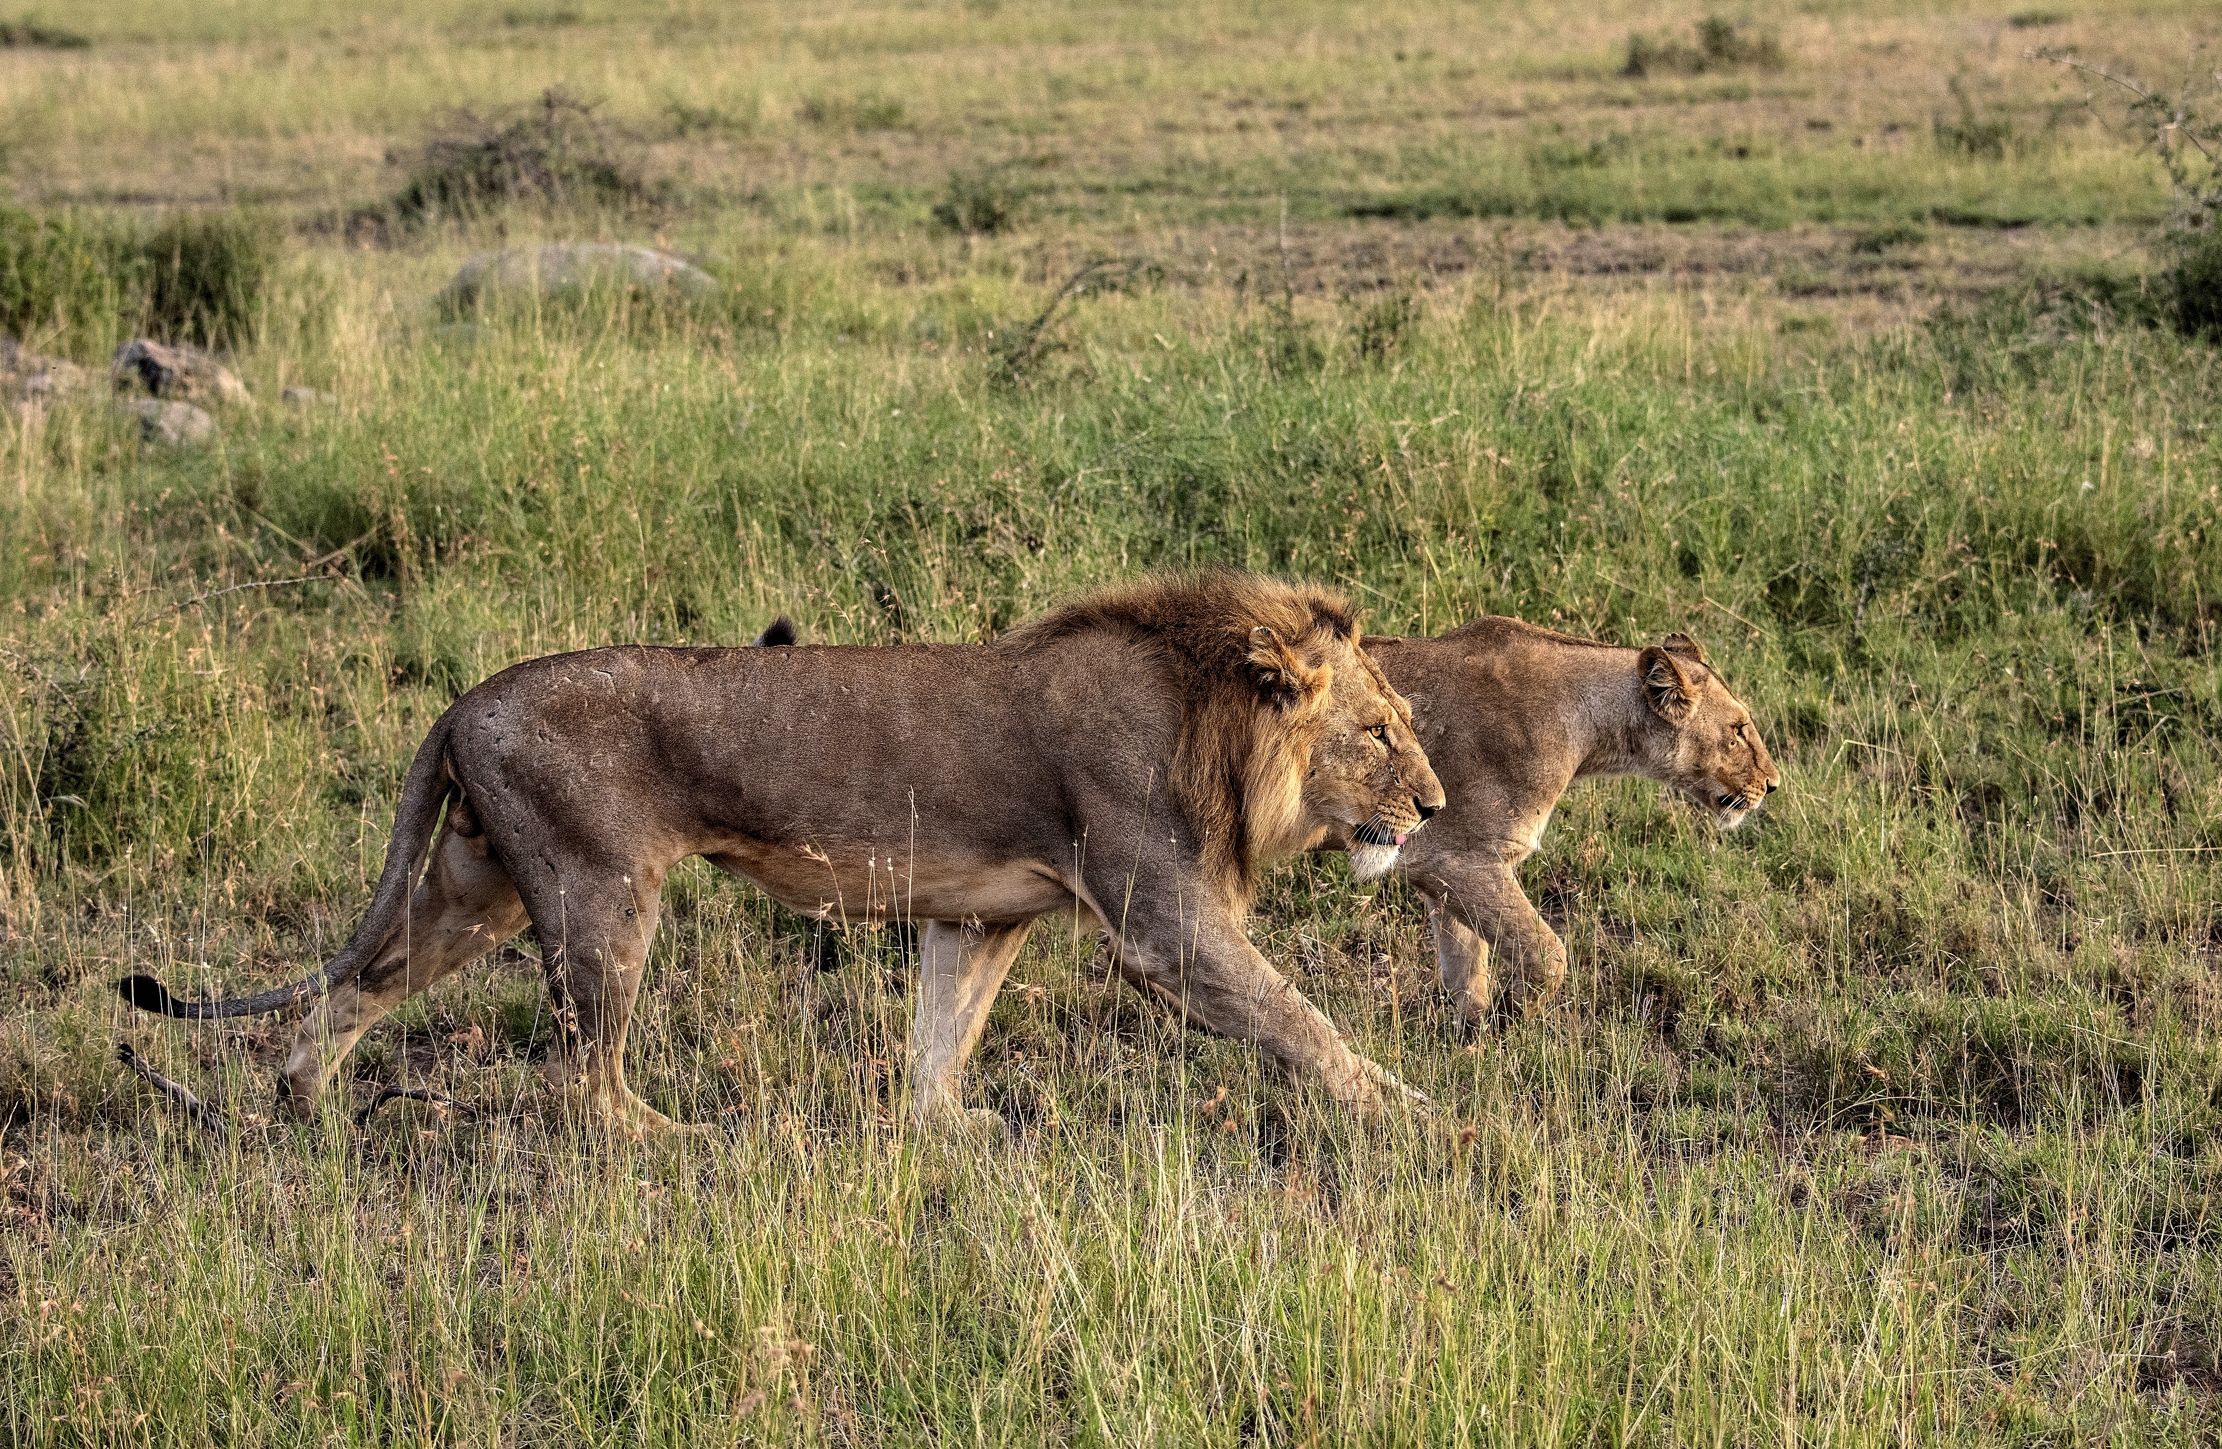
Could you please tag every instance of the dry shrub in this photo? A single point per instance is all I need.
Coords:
(555, 152)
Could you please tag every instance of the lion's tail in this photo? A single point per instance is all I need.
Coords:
(423, 791)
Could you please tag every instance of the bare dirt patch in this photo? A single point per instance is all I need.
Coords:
(1856, 270)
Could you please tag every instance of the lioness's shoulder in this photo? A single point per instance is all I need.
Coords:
(1498, 629)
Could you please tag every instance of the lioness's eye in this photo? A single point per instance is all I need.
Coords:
(1380, 733)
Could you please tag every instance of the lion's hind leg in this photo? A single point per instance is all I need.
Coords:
(594, 927)
(464, 907)
(961, 968)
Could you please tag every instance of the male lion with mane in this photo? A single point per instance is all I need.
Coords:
(1135, 756)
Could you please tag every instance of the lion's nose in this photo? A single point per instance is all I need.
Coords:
(1427, 811)
(1773, 785)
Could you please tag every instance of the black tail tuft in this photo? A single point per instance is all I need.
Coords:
(780, 631)
(148, 994)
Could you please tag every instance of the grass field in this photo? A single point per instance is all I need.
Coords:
(1895, 1117)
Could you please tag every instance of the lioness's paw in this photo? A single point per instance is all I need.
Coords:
(972, 1124)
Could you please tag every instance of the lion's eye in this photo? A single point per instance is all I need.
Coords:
(1380, 733)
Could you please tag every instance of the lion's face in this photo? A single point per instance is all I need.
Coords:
(1702, 740)
(1367, 780)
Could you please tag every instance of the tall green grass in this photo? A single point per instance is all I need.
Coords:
(85, 282)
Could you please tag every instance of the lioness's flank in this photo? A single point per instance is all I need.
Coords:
(1135, 756)
(1511, 715)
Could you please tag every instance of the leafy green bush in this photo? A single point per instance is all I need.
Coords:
(1383, 325)
(2195, 283)
(978, 203)
(1986, 135)
(190, 278)
(2184, 131)
(205, 277)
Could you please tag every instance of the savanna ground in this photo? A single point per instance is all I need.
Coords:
(1894, 1117)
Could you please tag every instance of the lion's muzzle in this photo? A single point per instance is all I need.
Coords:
(1379, 832)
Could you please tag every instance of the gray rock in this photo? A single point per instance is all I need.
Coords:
(175, 424)
(573, 266)
(27, 377)
(174, 370)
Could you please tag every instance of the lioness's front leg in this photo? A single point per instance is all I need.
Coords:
(960, 969)
(1493, 947)
(1196, 958)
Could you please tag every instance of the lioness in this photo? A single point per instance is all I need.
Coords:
(1511, 715)
(1136, 756)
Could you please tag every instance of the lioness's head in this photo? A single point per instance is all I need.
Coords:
(1366, 778)
(1701, 739)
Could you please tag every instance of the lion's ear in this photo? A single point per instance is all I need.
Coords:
(1685, 646)
(1281, 673)
(1667, 685)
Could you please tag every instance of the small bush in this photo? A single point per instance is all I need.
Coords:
(854, 113)
(1721, 44)
(1972, 132)
(32, 34)
(2036, 19)
(57, 278)
(2195, 283)
(978, 203)
(191, 278)
(551, 153)
(1288, 345)
(1382, 326)
(205, 277)
(1015, 359)
(2185, 132)
(1889, 237)
(692, 120)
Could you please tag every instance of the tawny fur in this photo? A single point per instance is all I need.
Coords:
(1134, 757)
(1512, 715)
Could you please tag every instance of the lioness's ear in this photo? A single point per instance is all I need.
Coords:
(1667, 685)
(1685, 646)
(1280, 673)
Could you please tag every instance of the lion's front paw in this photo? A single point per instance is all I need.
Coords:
(1367, 1088)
